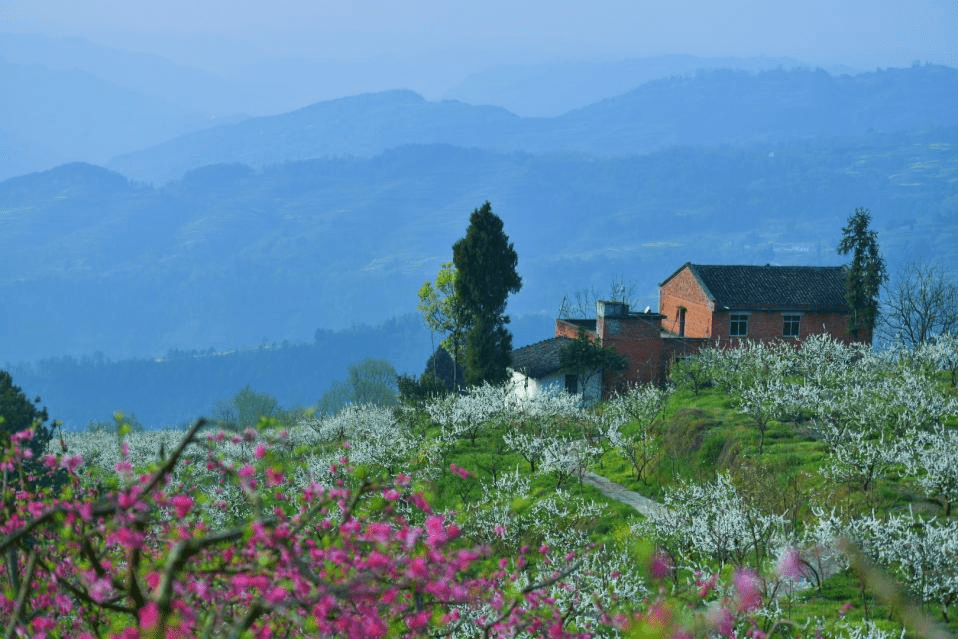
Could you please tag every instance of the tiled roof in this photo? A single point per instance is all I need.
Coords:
(539, 359)
(819, 288)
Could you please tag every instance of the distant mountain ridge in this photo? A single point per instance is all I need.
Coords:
(363, 125)
(710, 108)
(549, 89)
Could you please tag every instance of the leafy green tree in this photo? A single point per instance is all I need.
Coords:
(443, 313)
(247, 407)
(417, 391)
(442, 366)
(485, 262)
(584, 358)
(18, 413)
(371, 381)
(865, 275)
(334, 399)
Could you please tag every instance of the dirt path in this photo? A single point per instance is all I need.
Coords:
(620, 493)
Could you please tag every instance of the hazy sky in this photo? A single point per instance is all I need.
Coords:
(860, 33)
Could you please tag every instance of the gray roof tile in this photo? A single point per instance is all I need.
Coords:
(539, 359)
(807, 288)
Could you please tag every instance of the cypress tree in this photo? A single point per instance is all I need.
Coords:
(486, 264)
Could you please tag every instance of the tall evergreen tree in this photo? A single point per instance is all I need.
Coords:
(486, 263)
(866, 274)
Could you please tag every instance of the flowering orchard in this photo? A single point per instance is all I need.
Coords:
(305, 533)
(885, 427)
(347, 557)
(468, 517)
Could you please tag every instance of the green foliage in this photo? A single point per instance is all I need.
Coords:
(120, 422)
(488, 351)
(444, 313)
(371, 381)
(584, 357)
(417, 390)
(247, 407)
(486, 261)
(866, 274)
(442, 366)
(18, 413)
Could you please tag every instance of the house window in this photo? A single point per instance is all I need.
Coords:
(792, 325)
(572, 384)
(682, 321)
(738, 326)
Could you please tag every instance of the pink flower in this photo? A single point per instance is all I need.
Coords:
(723, 621)
(418, 569)
(72, 463)
(149, 616)
(276, 595)
(260, 452)
(660, 567)
(790, 565)
(183, 504)
(462, 472)
(746, 589)
(419, 620)
(274, 477)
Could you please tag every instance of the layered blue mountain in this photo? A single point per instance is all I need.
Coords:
(549, 89)
(710, 108)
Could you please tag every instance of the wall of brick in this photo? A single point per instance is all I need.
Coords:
(637, 337)
(767, 326)
(646, 363)
(683, 290)
(568, 329)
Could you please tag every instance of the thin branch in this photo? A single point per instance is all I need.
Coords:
(22, 595)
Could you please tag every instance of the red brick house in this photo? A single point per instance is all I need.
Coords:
(759, 303)
(702, 304)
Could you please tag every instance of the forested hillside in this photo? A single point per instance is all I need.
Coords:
(229, 255)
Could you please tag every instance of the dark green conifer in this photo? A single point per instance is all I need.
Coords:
(486, 264)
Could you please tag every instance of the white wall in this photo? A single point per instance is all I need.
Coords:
(526, 386)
